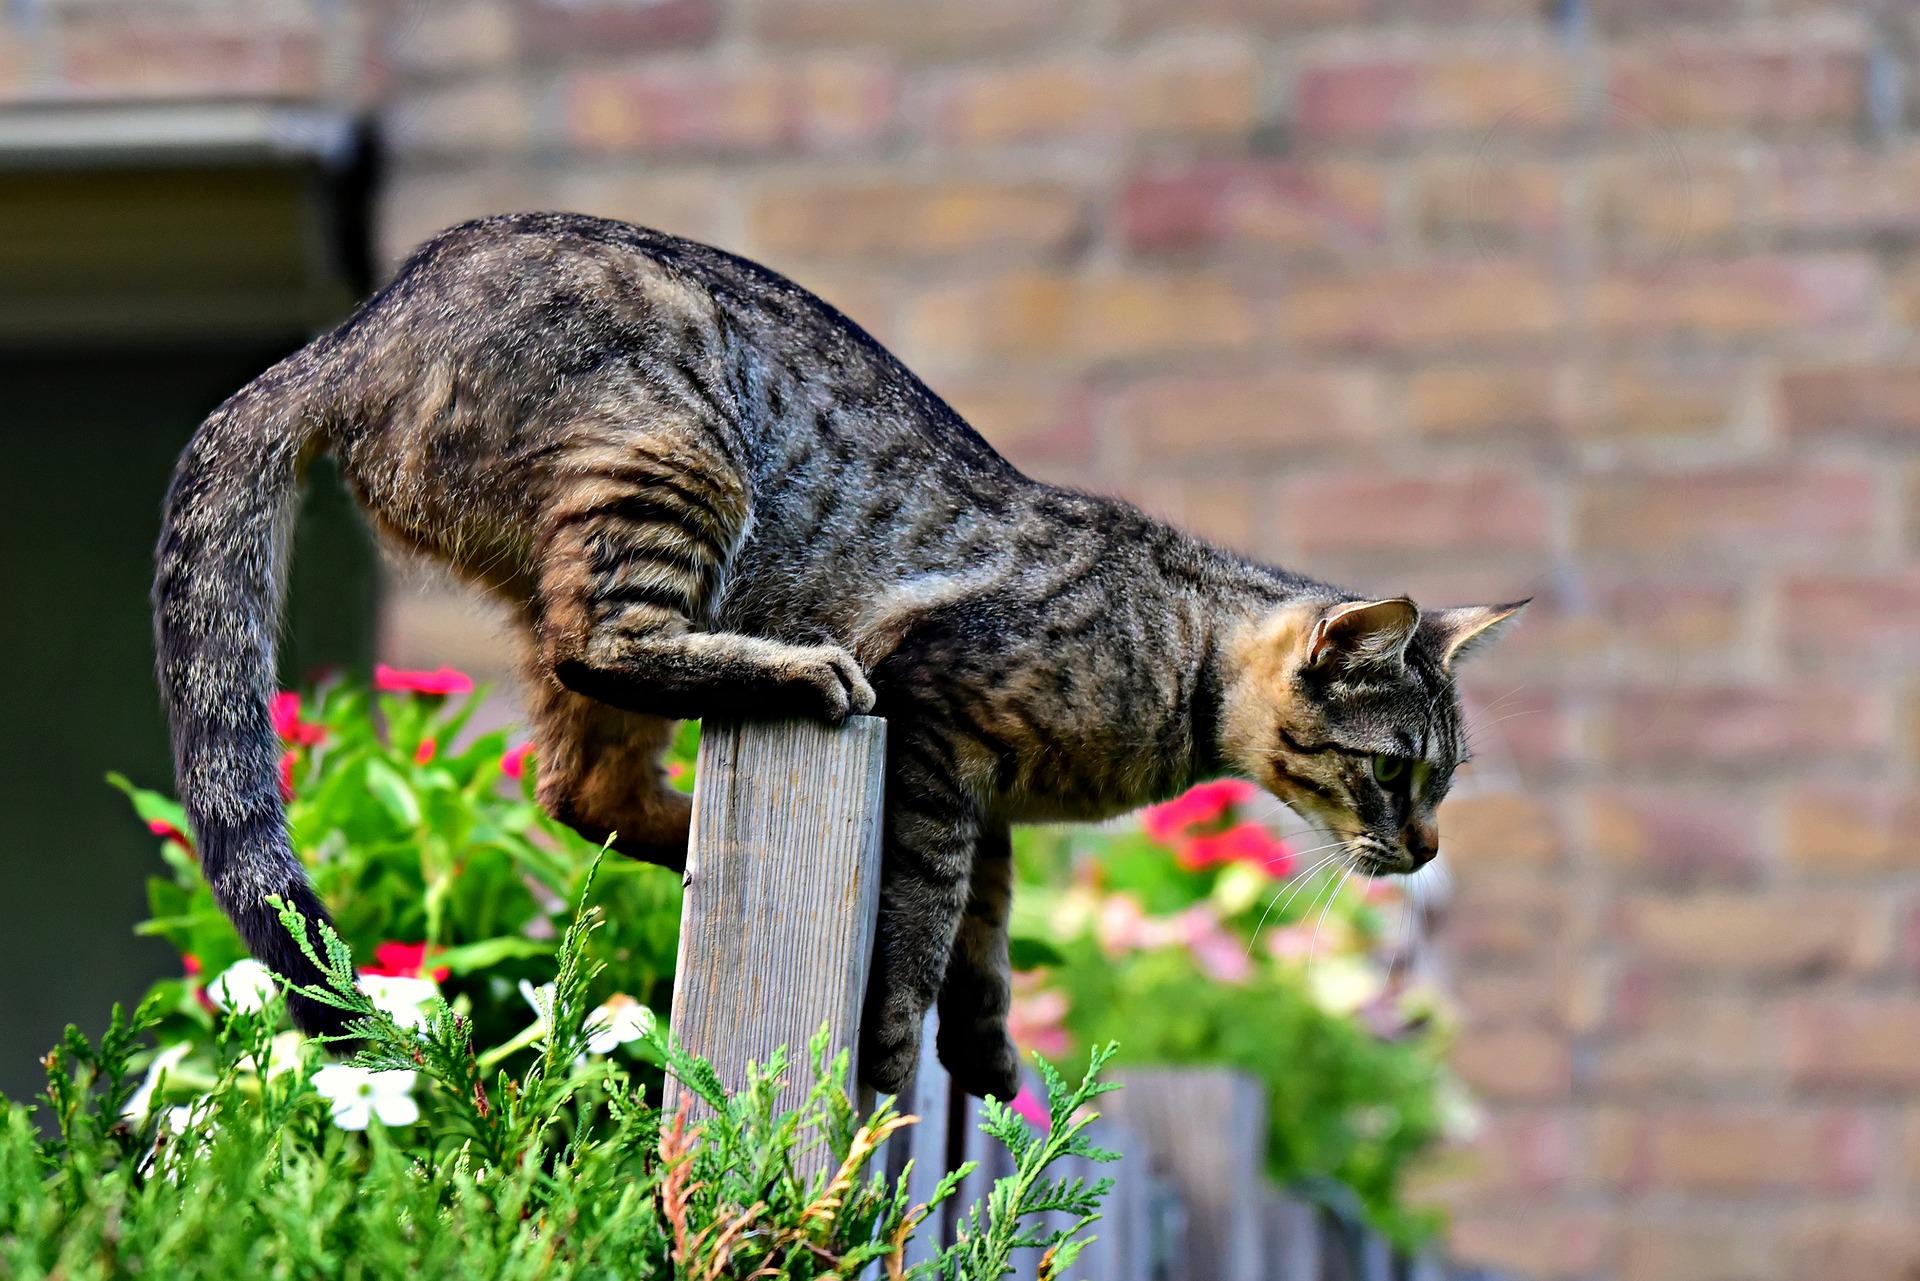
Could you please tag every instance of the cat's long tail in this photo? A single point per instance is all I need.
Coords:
(217, 590)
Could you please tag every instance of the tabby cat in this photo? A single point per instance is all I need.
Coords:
(705, 492)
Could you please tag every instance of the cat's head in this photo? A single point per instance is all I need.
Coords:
(1347, 711)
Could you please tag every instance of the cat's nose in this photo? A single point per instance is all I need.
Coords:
(1422, 841)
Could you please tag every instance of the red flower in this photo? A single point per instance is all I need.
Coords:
(1242, 843)
(442, 680)
(514, 763)
(285, 710)
(167, 831)
(191, 964)
(1207, 803)
(403, 961)
(287, 760)
(425, 752)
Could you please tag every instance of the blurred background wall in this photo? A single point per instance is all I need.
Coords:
(1609, 301)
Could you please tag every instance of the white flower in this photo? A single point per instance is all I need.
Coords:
(617, 1021)
(1342, 984)
(359, 1096)
(140, 1102)
(405, 1000)
(285, 1053)
(244, 986)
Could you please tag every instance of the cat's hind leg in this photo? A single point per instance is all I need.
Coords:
(598, 771)
(978, 989)
(932, 829)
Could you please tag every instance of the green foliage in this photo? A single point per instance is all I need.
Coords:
(559, 1171)
(1201, 940)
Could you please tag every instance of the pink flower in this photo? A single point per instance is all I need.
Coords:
(287, 761)
(1247, 843)
(1206, 803)
(676, 771)
(1121, 925)
(191, 964)
(403, 961)
(167, 831)
(426, 751)
(1028, 1107)
(441, 681)
(514, 763)
(1036, 1019)
(285, 710)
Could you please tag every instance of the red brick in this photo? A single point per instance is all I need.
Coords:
(1458, 513)
(1036, 315)
(1517, 1152)
(1674, 835)
(1142, 17)
(1408, 95)
(1224, 509)
(1423, 309)
(1840, 190)
(1042, 426)
(1665, 202)
(1740, 727)
(1697, 1250)
(1855, 1042)
(184, 55)
(1740, 1151)
(911, 28)
(1489, 203)
(1711, 83)
(1745, 514)
(1496, 918)
(1263, 205)
(1743, 299)
(1245, 419)
(1860, 402)
(607, 26)
(1655, 620)
(1652, 399)
(1673, 1044)
(1846, 620)
(1514, 1062)
(1465, 401)
(1854, 1243)
(708, 110)
(1802, 933)
(1549, 1243)
(1504, 829)
(920, 219)
(475, 114)
(452, 35)
(1207, 93)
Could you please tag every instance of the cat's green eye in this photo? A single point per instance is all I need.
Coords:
(1388, 770)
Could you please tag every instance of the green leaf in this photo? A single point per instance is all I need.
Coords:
(1028, 953)
(469, 957)
(393, 793)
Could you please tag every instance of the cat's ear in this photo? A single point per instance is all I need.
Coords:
(1469, 626)
(1363, 633)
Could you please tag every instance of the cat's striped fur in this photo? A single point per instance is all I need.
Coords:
(707, 493)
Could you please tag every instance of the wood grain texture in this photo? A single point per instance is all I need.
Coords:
(783, 884)
(1207, 1129)
(927, 1144)
(1292, 1231)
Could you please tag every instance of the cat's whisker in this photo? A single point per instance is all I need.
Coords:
(1313, 947)
(1301, 877)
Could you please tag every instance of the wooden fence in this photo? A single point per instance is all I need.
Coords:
(783, 881)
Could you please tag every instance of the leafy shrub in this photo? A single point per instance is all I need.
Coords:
(418, 1161)
(1198, 937)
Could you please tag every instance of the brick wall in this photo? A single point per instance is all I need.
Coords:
(1612, 301)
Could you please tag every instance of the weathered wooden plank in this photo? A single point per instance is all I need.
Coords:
(1292, 1231)
(931, 1099)
(783, 882)
(1207, 1130)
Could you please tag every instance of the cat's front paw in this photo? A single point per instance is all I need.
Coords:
(830, 683)
(983, 1063)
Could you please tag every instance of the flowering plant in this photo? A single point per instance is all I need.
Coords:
(1196, 936)
(423, 835)
(417, 1159)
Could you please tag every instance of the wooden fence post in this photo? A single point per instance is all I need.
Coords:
(783, 884)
